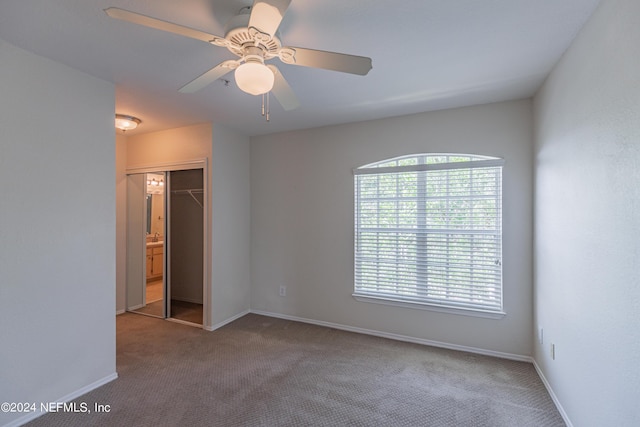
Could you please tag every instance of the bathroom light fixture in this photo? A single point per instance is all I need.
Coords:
(254, 77)
(124, 122)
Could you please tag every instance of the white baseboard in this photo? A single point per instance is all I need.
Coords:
(119, 312)
(397, 337)
(227, 321)
(68, 398)
(555, 399)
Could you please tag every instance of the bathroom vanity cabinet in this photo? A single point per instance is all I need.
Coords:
(155, 260)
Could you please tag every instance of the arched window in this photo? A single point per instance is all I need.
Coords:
(428, 230)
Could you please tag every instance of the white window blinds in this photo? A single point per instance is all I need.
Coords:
(428, 230)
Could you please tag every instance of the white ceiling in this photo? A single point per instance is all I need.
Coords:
(427, 55)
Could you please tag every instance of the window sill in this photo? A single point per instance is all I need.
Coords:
(430, 307)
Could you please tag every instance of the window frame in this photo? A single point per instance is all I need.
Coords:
(422, 164)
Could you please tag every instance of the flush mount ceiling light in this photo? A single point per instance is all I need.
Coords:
(125, 123)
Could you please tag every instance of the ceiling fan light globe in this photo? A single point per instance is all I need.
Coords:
(254, 78)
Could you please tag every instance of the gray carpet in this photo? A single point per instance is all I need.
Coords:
(260, 371)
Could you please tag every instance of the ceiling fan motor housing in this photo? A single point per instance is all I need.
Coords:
(237, 32)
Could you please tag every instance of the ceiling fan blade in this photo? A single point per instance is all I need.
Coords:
(209, 77)
(282, 91)
(328, 60)
(159, 24)
(266, 15)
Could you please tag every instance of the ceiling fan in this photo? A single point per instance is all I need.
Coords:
(253, 37)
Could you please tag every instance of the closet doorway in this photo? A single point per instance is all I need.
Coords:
(185, 232)
(166, 251)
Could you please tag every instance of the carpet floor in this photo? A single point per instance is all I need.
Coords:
(261, 371)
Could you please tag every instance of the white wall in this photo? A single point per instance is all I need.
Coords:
(231, 202)
(302, 220)
(587, 210)
(57, 229)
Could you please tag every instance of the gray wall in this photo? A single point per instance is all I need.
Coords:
(231, 225)
(302, 221)
(57, 230)
(587, 245)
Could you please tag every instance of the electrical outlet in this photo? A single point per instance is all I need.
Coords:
(553, 352)
(541, 336)
(283, 291)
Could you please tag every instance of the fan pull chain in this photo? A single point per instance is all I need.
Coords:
(265, 111)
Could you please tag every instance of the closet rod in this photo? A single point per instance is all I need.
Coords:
(191, 192)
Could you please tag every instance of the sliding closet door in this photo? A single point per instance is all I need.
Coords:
(136, 232)
(186, 244)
